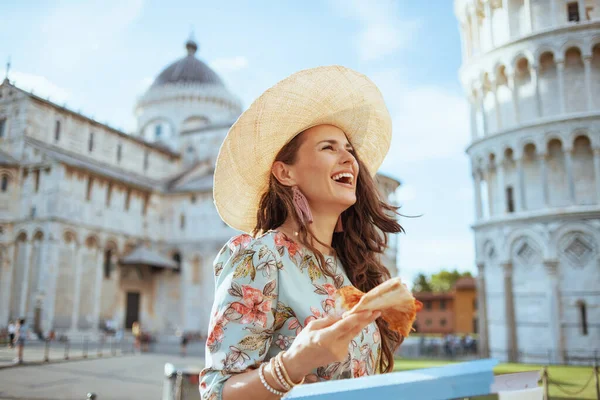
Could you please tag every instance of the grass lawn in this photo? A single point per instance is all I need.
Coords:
(572, 378)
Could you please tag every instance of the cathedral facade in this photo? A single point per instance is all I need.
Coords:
(531, 72)
(100, 228)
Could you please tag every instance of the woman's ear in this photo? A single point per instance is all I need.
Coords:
(283, 173)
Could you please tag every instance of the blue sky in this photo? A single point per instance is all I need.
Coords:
(99, 56)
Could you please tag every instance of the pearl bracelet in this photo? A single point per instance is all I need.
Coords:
(261, 374)
(282, 369)
(276, 373)
(280, 379)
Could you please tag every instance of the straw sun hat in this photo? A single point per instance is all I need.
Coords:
(332, 95)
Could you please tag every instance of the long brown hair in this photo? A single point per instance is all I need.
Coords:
(359, 247)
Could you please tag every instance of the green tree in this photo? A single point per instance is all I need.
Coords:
(421, 284)
(444, 280)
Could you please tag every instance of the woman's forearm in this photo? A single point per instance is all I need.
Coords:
(247, 385)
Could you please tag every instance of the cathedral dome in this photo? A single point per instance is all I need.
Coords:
(188, 70)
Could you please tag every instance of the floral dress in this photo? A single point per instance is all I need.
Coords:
(266, 290)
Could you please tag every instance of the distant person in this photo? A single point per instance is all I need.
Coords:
(136, 331)
(184, 342)
(20, 336)
(11, 334)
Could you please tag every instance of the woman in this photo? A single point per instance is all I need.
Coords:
(295, 172)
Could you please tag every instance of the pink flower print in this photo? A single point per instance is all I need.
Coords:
(241, 240)
(359, 368)
(283, 342)
(254, 308)
(295, 324)
(376, 336)
(282, 240)
(316, 315)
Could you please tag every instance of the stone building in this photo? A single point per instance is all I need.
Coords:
(99, 228)
(531, 72)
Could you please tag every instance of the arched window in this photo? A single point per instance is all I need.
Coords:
(4, 184)
(583, 317)
(91, 142)
(107, 263)
(2, 126)
(119, 152)
(177, 258)
(57, 131)
(182, 222)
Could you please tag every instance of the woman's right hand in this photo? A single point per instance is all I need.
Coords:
(324, 341)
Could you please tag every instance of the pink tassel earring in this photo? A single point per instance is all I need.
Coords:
(301, 206)
(339, 227)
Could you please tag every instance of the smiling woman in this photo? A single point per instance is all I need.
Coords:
(300, 183)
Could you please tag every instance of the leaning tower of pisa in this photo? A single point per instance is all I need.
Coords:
(531, 73)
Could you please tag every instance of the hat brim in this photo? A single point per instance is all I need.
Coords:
(332, 95)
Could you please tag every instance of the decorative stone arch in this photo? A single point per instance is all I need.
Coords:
(8, 172)
(533, 239)
(21, 236)
(576, 133)
(69, 236)
(38, 235)
(549, 137)
(543, 49)
(92, 242)
(527, 141)
(572, 44)
(489, 251)
(594, 41)
(111, 243)
(523, 54)
(558, 236)
(509, 149)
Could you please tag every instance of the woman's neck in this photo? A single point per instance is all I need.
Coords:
(321, 229)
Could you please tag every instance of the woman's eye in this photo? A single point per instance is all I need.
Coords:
(328, 147)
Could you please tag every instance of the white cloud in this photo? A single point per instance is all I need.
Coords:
(40, 85)
(230, 64)
(382, 31)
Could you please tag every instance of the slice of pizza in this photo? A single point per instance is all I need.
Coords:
(397, 305)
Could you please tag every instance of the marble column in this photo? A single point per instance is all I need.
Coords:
(483, 117)
(555, 310)
(509, 306)
(570, 178)
(497, 109)
(554, 13)
(6, 274)
(533, 71)
(508, 7)
(528, 16)
(476, 34)
(489, 15)
(544, 173)
(482, 320)
(477, 191)
(514, 90)
(589, 96)
(77, 269)
(25, 283)
(473, 115)
(597, 173)
(560, 69)
(98, 288)
(501, 187)
(522, 188)
(582, 13)
(49, 283)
